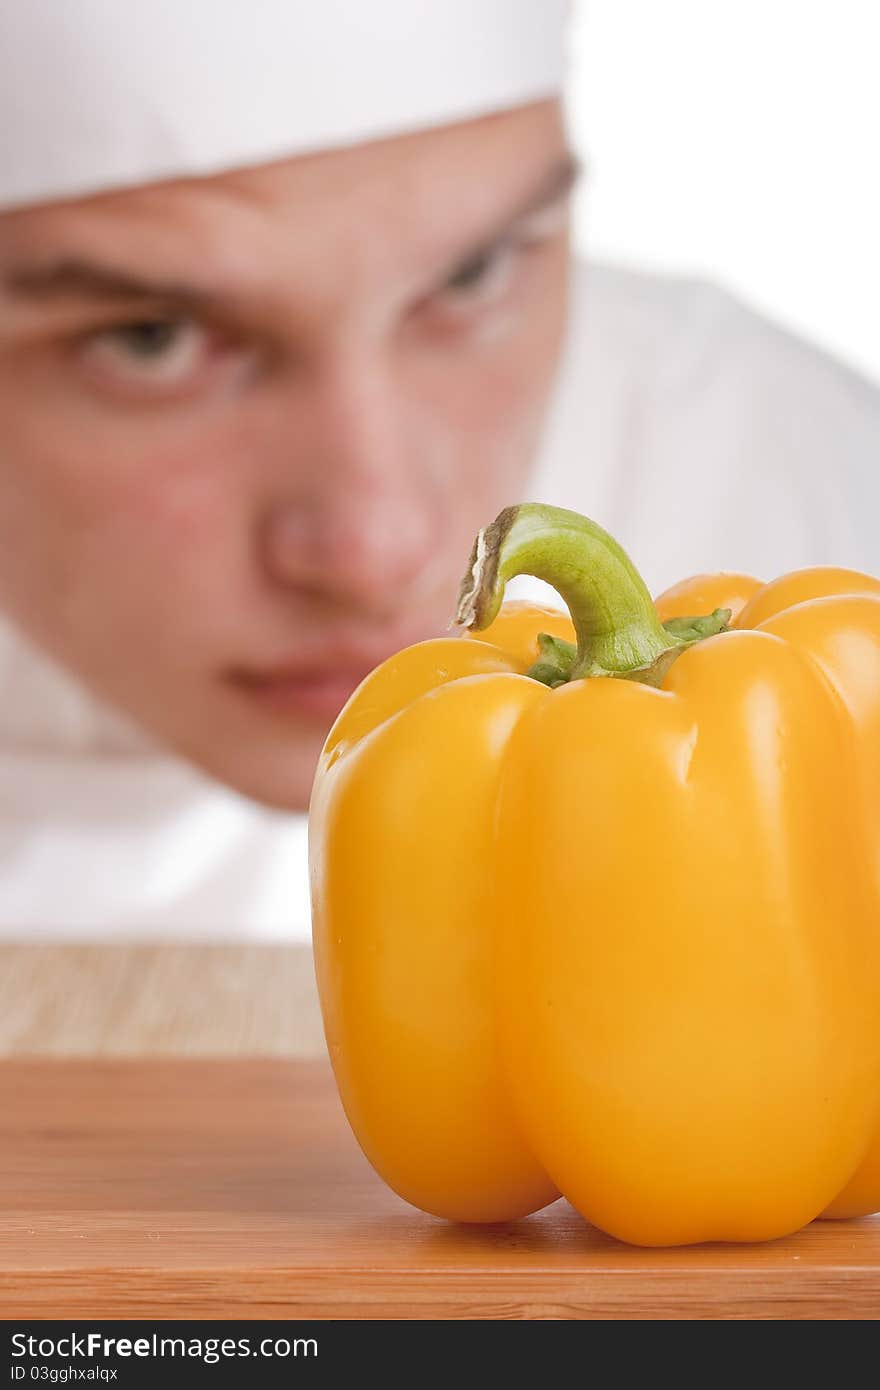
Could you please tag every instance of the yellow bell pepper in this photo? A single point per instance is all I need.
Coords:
(599, 915)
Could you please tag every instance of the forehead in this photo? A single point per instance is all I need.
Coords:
(421, 191)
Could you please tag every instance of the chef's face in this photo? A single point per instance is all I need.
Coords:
(251, 424)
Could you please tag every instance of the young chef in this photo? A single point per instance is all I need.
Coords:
(286, 315)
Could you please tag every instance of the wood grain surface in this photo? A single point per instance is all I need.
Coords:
(170, 1189)
(160, 999)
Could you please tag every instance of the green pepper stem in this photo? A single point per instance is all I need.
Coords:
(616, 624)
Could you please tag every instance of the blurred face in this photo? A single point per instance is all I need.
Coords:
(251, 424)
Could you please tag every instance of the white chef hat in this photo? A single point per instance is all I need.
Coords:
(103, 94)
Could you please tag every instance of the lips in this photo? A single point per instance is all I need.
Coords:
(313, 693)
(316, 688)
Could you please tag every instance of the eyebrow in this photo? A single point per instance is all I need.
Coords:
(78, 279)
(73, 278)
(552, 188)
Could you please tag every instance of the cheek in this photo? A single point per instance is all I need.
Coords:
(99, 555)
(489, 396)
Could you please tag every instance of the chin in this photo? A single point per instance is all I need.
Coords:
(254, 754)
(279, 777)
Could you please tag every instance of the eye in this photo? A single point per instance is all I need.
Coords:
(485, 273)
(151, 354)
(149, 340)
(495, 278)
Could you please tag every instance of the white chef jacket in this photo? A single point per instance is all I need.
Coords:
(698, 434)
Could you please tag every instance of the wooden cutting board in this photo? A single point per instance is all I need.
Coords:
(173, 1189)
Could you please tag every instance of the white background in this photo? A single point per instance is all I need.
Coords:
(740, 141)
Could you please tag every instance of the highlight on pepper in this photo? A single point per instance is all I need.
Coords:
(596, 897)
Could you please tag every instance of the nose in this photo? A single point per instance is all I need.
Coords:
(358, 517)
